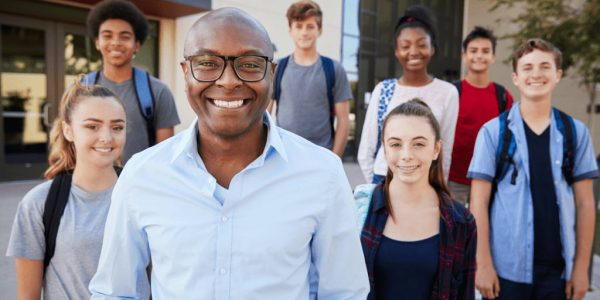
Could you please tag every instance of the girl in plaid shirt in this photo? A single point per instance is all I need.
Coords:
(418, 242)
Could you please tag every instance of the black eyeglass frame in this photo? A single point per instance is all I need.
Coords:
(226, 59)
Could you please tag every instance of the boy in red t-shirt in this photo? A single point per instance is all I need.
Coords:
(480, 101)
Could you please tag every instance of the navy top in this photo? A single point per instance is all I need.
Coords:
(406, 270)
(546, 227)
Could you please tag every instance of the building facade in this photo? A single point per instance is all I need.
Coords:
(44, 46)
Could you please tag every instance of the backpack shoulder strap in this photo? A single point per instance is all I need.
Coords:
(329, 71)
(458, 85)
(145, 97)
(90, 78)
(504, 156)
(501, 97)
(387, 91)
(281, 65)
(566, 126)
(56, 201)
(118, 170)
(505, 150)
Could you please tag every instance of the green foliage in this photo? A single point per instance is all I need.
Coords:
(573, 26)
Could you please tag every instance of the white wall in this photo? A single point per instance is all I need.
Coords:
(569, 96)
(270, 13)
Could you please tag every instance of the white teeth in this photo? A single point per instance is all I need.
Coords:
(106, 150)
(407, 168)
(228, 104)
(536, 84)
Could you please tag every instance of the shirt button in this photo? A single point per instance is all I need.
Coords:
(222, 271)
(558, 162)
(224, 219)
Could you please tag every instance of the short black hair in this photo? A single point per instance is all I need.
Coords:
(417, 16)
(480, 33)
(117, 9)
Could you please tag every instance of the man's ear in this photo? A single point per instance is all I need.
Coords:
(183, 67)
(97, 43)
(559, 74)
(514, 78)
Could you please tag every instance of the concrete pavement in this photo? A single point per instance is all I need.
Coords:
(12, 192)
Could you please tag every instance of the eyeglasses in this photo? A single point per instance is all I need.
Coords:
(249, 68)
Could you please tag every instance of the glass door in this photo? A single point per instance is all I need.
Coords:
(26, 94)
(79, 56)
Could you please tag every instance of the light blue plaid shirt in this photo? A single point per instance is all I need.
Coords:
(511, 219)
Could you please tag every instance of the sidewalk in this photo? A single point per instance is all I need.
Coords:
(12, 192)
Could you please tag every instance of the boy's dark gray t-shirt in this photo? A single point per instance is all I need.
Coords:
(165, 112)
(303, 106)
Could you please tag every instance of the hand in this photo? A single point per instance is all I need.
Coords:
(578, 285)
(487, 282)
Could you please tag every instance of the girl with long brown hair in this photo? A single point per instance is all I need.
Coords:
(418, 242)
(86, 142)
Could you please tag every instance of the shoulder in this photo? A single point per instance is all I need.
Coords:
(496, 85)
(158, 154)
(336, 64)
(36, 197)
(581, 128)
(304, 152)
(158, 85)
(492, 125)
(443, 85)
(458, 213)
(446, 91)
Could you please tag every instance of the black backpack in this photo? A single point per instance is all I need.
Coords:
(501, 97)
(56, 201)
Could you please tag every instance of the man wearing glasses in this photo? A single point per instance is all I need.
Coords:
(233, 207)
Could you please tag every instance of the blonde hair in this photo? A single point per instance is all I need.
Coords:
(62, 156)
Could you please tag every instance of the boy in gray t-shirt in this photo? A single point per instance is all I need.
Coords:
(119, 29)
(303, 104)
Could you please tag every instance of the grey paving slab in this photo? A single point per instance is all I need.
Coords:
(10, 195)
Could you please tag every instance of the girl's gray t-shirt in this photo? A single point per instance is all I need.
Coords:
(78, 241)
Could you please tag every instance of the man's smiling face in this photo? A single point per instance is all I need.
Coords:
(228, 107)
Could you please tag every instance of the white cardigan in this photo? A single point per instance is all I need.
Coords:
(442, 98)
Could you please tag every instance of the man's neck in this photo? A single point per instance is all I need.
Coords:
(306, 57)
(118, 74)
(226, 157)
(480, 80)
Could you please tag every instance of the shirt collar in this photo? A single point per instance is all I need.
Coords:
(188, 144)
(379, 198)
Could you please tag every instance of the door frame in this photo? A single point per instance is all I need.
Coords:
(19, 171)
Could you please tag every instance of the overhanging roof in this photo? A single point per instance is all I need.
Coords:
(157, 8)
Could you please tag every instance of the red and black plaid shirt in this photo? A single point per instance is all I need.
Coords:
(455, 277)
